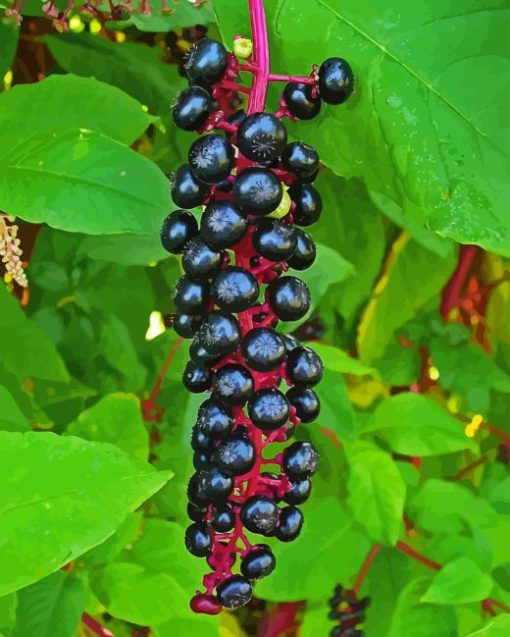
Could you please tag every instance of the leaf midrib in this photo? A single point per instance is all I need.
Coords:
(394, 57)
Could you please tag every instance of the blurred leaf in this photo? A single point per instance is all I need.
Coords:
(413, 618)
(398, 296)
(497, 627)
(11, 416)
(26, 351)
(458, 582)
(189, 627)
(415, 425)
(376, 491)
(51, 607)
(9, 33)
(337, 360)
(82, 493)
(316, 620)
(8, 605)
(124, 249)
(111, 548)
(133, 67)
(336, 413)
(178, 14)
(117, 419)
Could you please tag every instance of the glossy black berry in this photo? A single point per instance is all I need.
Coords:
(258, 191)
(196, 379)
(289, 297)
(268, 409)
(215, 484)
(258, 563)
(236, 455)
(298, 492)
(300, 159)
(186, 325)
(187, 191)
(199, 261)
(201, 460)
(214, 420)
(336, 81)
(304, 367)
(235, 592)
(232, 385)
(263, 349)
(305, 252)
(301, 101)
(207, 61)
(200, 355)
(235, 289)
(261, 137)
(196, 493)
(260, 514)
(274, 240)
(290, 342)
(305, 401)
(219, 333)
(300, 460)
(211, 158)
(196, 513)
(177, 230)
(308, 204)
(222, 224)
(191, 297)
(291, 521)
(192, 108)
(201, 441)
(199, 539)
(223, 519)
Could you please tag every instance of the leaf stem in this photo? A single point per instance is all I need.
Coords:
(152, 413)
(365, 568)
(452, 290)
(95, 626)
(405, 548)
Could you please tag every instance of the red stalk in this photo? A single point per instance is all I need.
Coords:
(95, 626)
(365, 568)
(452, 290)
(405, 548)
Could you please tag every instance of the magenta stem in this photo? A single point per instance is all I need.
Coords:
(274, 77)
(257, 101)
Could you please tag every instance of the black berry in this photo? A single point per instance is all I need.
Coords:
(199, 261)
(197, 379)
(219, 333)
(291, 521)
(304, 367)
(305, 252)
(258, 191)
(289, 297)
(223, 519)
(186, 325)
(196, 513)
(192, 108)
(236, 455)
(207, 61)
(222, 224)
(215, 484)
(300, 159)
(263, 349)
(305, 401)
(258, 563)
(268, 409)
(308, 204)
(336, 81)
(198, 539)
(274, 240)
(301, 101)
(298, 492)
(177, 230)
(300, 460)
(235, 592)
(191, 297)
(211, 158)
(260, 514)
(235, 289)
(187, 191)
(261, 137)
(232, 385)
(214, 420)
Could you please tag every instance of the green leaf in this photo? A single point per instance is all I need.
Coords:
(9, 33)
(11, 416)
(58, 180)
(83, 492)
(337, 360)
(135, 594)
(8, 604)
(316, 620)
(376, 491)
(337, 412)
(415, 425)
(133, 67)
(111, 548)
(189, 627)
(458, 582)
(63, 102)
(116, 418)
(398, 296)
(448, 507)
(330, 549)
(26, 350)
(176, 16)
(414, 129)
(497, 627)
(415, 619)
(124, 249)
(51, 607)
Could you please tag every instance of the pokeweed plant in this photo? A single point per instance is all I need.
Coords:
(256, 188)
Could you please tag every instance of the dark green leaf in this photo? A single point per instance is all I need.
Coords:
(11, 416)
(497, 627)
(9, 33)
(177, 15)
(458, 582)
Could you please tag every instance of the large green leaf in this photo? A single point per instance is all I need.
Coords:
(418, 129)
(337, 412)
(135, 68)
(458, 582)
(177, 14)
(51, 607)
(336, 360)
(9, 33)
(497, 627)
(61, 497)
(415, 425)
(412, 277)
(26, 350)
(412, 618)
(11, 416)
(376, 491)
(116, 418)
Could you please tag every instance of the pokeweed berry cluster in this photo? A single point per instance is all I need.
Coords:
(349, 612)
(257, 194)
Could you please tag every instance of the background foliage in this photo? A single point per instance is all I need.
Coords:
(413, 329)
